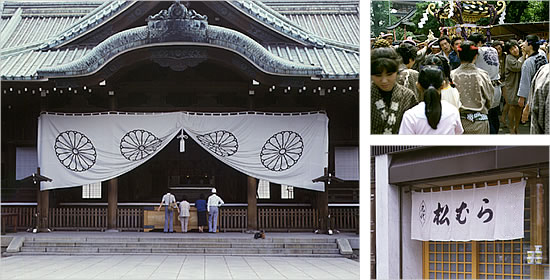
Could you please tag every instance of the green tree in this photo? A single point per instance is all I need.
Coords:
(379, 12)
(514, 10)
(527, 11)
(536, 11)
(400, 32)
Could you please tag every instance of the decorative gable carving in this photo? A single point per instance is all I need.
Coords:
(178, 59)
(179, 24)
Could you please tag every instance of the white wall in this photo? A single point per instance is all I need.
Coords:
(412, 249)
(387, 222)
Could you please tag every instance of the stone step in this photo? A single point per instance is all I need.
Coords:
(179, 245)
(171, 254)
(213, 251)
(179, 240)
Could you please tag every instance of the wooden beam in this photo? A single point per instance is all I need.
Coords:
(112, 186)
(425, 259)
(537, 222)
(475, 260)
(43, 206)
(322, 207)
(112, 201)
(252, 214)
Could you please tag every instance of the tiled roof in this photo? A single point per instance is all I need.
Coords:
(21, 57)
(3, 23)
(28, 24)
(336, 62)
(338, 27)
(265, 14)
(97, 16)
(23, 65)
(36, 29)
(337, 20)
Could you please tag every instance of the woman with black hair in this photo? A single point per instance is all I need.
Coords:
(512, 74)
(202, 220)
(389, 100)
(433, 115)
(449, 92)
(476, 91)
(406, 76)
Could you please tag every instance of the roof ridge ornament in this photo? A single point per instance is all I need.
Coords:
(178, 23)
(177, 11)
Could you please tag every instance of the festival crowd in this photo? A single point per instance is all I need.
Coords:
(458, 86)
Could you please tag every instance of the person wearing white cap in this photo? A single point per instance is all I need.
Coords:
(214, 201)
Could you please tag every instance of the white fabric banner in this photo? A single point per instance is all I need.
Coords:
(77, 149)
(483, 213)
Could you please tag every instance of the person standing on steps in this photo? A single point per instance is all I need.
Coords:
(200, 204)
(167, 200)
(184, 214)
(214, 201)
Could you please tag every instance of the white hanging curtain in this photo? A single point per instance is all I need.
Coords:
(77, 149)
(487, 213)
(74, 150)
(284, 149)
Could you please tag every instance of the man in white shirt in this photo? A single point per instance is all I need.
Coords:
(168, 213)
(214, 201)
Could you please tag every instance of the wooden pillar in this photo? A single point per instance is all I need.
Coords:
(112, 201)
(112, 186)
(538, 230)
(43, 207)
(252, 214)
(475, 260)
(43, 197)
(322, 208)
(425, 259)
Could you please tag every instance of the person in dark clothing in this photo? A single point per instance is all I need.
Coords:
(200, 204)
(454, 60)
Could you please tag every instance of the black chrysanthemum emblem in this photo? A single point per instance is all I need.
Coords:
(139, 144)
(223, 143)
(75, 151)
(282, 151)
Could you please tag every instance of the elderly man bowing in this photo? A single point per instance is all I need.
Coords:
(169, 203)
(214, 201)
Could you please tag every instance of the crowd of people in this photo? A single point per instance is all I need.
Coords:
(459, 86)
(204, 209)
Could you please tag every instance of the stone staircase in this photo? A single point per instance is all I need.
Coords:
(291, 247)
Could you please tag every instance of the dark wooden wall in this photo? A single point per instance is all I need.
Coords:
(146, 86)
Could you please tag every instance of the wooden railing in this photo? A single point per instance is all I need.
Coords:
(26, 218)
(231, 218)
(273, 219)
(344, 218)
(79, 218)
(130, 219)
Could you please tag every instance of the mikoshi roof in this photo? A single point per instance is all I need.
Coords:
(38, 35)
